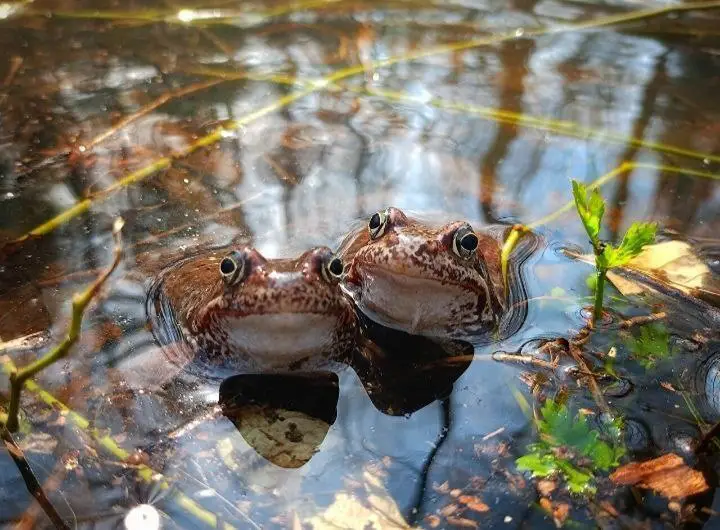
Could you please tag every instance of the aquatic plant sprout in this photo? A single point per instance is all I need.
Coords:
(568, 447)
(591, 208)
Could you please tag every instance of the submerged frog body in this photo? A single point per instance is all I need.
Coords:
(244, 313)
(422, 279)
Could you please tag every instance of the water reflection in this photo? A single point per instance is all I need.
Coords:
(88, 103)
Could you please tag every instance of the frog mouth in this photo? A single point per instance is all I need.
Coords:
(416, 304)
(407, 274)
(275, 340)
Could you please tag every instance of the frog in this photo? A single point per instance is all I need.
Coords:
(234, 311)
(425, 279)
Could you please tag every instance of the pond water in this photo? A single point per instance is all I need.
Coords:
(281, 125)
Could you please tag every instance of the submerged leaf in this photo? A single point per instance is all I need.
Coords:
(652, 345)
(564, 438)
(668, 475)
(540, 465)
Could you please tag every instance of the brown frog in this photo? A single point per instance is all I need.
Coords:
(244, 313)
(422, 279)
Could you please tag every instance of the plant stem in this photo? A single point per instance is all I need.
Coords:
(599, 291)
(79, 302)
(517, 231)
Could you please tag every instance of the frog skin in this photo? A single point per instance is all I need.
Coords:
(427, 280)
(242, 312)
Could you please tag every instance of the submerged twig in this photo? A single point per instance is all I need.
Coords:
(642, 320)
(80, 302)
(28, 521)
(15, 64)
(31, 481)
(108, 444)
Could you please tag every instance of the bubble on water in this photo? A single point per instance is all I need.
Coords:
(143, 517)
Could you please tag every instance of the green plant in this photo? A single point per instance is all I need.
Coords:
(652, 345)
(591, 208)
(570, 448)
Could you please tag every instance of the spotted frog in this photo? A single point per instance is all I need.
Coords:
(245, 313)
(424, 279)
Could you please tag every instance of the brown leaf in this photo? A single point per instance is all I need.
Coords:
(560, 513)
(667, 386)
(474, 503)
(442, 488)
(478, 506)
(546, 504)
(668, 475)
(546, 487)
(462, 522)
(433, 521)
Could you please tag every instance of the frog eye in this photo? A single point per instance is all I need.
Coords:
(232, 267)
(377, 224)
(465, 242)
(333, 270)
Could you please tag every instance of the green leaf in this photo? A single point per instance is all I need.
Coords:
(557, 292)
(590, 209)
(570, 447)
(637, 236)
(578, 480)
(652, 344)
(591, 282)
(540, 465)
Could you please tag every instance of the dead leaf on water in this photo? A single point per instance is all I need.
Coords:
(667, 475)
(671, 262)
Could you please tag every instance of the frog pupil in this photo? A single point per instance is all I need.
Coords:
(227, 266)
(469, 242)
(375, 221)
(336, 267)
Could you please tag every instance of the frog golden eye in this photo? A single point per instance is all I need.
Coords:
(377, 224)
(232, 267)
(465, 242)
(332, 272)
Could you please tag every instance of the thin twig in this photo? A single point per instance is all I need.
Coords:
(576, 354)
(524, 359)
(108, 444)
(15, 64)
(146, 109)
(31, 481)
(80, 302)
(510, 243)
(29, 519)
(642, 320)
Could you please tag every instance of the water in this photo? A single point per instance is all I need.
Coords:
(295, 165)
